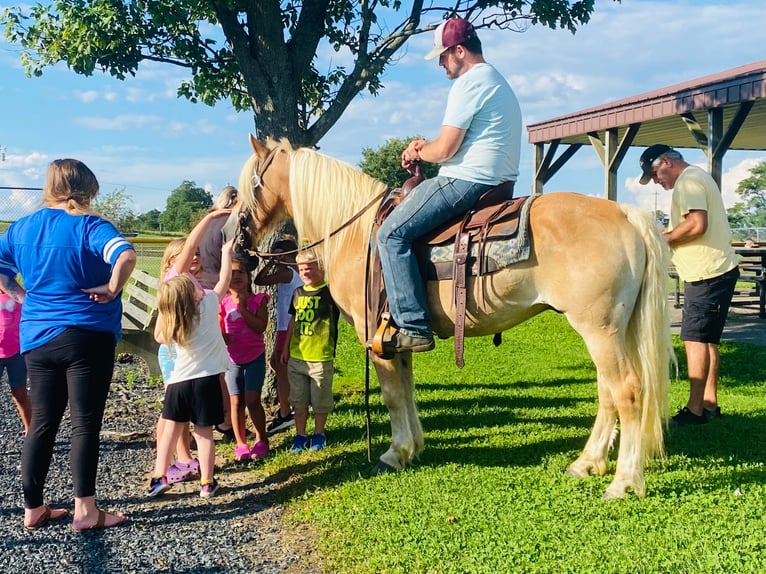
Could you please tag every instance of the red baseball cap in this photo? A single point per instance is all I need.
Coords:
(451, 33)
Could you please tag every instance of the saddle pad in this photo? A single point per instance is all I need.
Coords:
(499, 252)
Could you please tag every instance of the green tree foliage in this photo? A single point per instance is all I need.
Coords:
(184, 207)
(115, 206)
(149, 221)
(262, 55)
(385, 162)
(751, 211)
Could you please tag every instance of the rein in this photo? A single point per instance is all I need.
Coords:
(357, 215)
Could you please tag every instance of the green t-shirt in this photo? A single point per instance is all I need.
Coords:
(315, 331)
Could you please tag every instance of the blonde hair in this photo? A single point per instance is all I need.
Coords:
(72, 181)
(308, 256)
(227, 199)
(177, 308)
(172, 250)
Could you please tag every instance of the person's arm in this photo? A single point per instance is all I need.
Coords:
(436, 151)
(286, 349)
(184, 259)
(273, 273)
(158, 331)
(10, 287)
(256, 321)
(224, 276)
(121, 270)
(693, 225)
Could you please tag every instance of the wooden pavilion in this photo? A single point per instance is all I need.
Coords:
(715, 113)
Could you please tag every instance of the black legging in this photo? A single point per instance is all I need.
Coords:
(75, 367)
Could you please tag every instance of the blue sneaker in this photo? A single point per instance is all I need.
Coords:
(300, 443)
(157, 486)
(318, 441)
(208, 489)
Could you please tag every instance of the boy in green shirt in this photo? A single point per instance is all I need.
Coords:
(313, 334)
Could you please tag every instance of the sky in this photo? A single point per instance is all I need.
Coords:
(138, 136)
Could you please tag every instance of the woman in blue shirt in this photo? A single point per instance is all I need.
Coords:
(74, 264)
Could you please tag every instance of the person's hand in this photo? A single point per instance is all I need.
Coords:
(100, 294)
(411, 153)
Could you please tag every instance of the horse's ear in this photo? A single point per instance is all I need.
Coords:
(256, 145)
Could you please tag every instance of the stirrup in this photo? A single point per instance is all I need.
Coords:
(381, 341)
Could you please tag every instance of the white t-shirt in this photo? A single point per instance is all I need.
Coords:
(205, 352)
(482, 103)
(284, 297)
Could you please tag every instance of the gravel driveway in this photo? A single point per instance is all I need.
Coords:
(239, 530)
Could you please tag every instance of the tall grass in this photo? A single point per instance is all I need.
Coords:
(489, 493)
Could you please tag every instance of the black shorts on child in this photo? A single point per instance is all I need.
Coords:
(196, 400)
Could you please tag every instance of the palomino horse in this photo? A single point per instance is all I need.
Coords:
(601, 264)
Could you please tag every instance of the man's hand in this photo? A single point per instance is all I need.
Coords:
(411, 154)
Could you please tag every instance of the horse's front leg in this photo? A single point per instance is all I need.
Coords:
(398, 391)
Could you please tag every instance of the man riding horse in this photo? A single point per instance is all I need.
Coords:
(478, 148)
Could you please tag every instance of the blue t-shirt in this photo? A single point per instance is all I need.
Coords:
(482, 103)
(59, 255)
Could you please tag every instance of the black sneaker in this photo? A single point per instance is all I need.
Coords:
(280, 423)
(226, 434)
(710, 415)
(685, 417)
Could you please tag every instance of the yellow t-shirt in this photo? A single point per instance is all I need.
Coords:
(315, 330)
(710, 254)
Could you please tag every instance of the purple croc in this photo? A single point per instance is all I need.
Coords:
(179, 471)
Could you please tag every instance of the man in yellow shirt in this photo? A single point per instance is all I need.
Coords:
(700, 239)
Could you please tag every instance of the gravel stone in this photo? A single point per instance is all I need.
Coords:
(238, 530)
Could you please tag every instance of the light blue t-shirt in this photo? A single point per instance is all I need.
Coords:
(482, 103)
(59, 255)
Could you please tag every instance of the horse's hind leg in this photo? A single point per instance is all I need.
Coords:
(619, 391)
(593, 459)
(398, 391)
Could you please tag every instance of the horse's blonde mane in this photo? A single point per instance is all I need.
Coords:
(326, 193)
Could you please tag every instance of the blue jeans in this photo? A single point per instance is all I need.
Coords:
(430, 204)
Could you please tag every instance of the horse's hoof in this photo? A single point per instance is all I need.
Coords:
(577, 474)
(613, 496)
(382, 468)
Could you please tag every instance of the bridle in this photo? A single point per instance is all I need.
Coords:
(257, 181)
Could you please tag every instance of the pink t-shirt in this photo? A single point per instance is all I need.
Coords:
(244, 345)
(10, 315)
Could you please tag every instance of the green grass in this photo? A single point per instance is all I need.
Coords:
(489, 493)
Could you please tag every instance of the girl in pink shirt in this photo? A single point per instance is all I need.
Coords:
(244, 317)
(11, 297)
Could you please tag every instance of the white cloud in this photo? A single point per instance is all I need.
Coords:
(117, 123)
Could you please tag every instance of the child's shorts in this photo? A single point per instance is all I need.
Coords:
(310, 384)
(17, 370)
(247, 377)
(197, 400)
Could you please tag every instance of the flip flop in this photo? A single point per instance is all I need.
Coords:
(101, 522)
(44, 519)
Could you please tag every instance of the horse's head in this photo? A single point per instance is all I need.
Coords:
(264, 189)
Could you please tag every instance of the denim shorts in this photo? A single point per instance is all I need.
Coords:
(247, 377)
(706, 305)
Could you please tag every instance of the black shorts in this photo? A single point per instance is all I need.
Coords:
(196, 400)
(706, 305)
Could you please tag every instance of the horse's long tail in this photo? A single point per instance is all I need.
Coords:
(649, 339)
